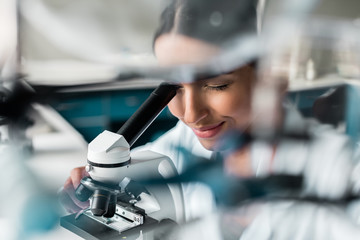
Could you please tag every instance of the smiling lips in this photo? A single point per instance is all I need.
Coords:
(208, 131)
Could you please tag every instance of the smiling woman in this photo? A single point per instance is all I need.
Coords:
(194, 32)
(210, 107)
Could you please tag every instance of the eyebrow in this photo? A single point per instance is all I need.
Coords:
(204, 77)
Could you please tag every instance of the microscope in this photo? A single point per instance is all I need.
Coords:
(121, 205)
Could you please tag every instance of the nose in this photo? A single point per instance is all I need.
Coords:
(195, 107)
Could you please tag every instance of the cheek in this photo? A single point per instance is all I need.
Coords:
(236, 105)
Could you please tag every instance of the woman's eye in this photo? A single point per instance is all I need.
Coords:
(218, 87)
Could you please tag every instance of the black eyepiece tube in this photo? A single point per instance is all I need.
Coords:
(147, 112)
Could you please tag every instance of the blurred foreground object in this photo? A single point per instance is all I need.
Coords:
(25, 203)
(312, 54)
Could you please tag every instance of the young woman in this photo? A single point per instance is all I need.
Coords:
(192, 32)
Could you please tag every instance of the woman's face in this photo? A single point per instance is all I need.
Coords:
(212, 106)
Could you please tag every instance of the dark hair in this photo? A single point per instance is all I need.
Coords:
(213, 21)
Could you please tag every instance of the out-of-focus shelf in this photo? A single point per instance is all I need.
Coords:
(323, 82)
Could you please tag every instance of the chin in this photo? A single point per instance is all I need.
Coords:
(208, 144)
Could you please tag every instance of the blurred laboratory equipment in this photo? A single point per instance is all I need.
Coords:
(26, 207)
(317, 59)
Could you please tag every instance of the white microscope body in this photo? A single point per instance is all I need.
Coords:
(110, 161)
